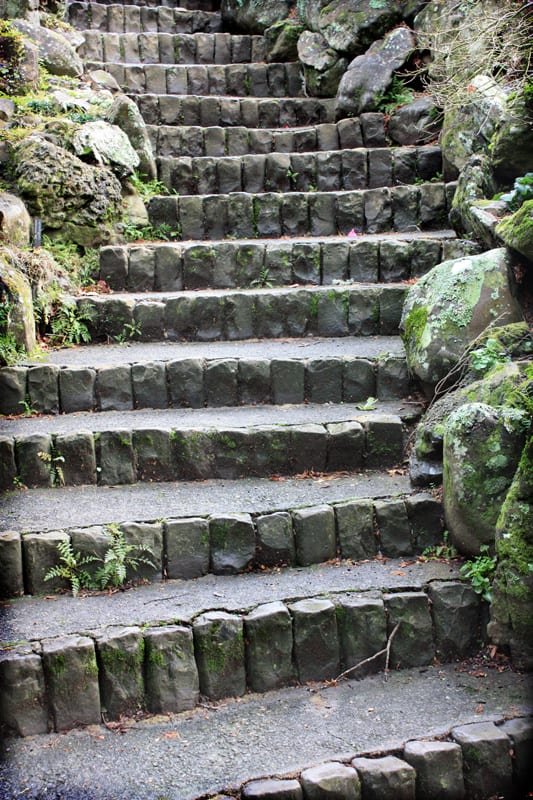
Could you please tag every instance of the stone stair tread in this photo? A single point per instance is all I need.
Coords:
(169, 601)
(75, 506)
(187, 418)
(308, 347)
(193, 754)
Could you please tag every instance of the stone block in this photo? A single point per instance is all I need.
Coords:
(287, 381)
(332, 313)
(354, 169)
(277, 263)
(233, 452)
(363, 262)
(273, 789)
(154, 455)
(113, 388)
(8, 467)
(42, 386)
(394, 528)
(168, 268)
(186, 382)
(171, 675)
(34, 459)
(432, 208)
(120, 659)
(439, 770)
(363, 313)
(335, 262)
(40, 554)
(254, 381)
(394, 261)
(76, 389)
(378, 210)
(456, 610)
(390, 305)
(11, 575)
(221, 382)
(412, 645)
(232, 539)
(114, 267)
(316, 643)
(520, 731)
(346, 444)
(355, 529)
(239, 310)
(379, 167)
(350, 135)
(425, 254)
(12, 389)
(387, 778)
(487, 761)
(324, 380)
(331, 781)
(275, 540)
(148, 321)
(115, 457)
(219, 652)
(308, 448)
(358, 379)
(373, 129)
(23, 701)
(71, 675)
(392, 380)
(271, 450)
(362, 627)
(349, 211)
(405, 202)
(306, 262)
(295, 220)
(194, 454)
(149, 384)
(147, 538)
(268, 638)
(186, 547)
(74, 462)
(141, 269)
(93, 541)
(322, 217)
(426, 519)
(384, 441)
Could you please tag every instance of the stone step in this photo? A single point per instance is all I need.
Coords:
(233, 80)
(121, 18)
(123, 447)
(172, 48)
(187, 546)
(243, 215)
(225, 636)
(214, 315)
(197, 6)
(166, 375)
(241, 263)
(326, 171)
(252, 112)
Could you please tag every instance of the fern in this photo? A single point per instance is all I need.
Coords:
(71, 568)
(120, 557)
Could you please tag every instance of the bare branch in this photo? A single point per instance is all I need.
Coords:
(385, 651)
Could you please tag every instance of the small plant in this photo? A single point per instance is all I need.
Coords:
(263, 280)
(480, 571)
(292, 175)
(130, 330)
(369, 404)
(27, 410)
(135, 233)
(147, 189)
(55, 460)
(398, 94)
(120, 557)
(71, 568)
(488, 356)
(69, 324)
(440, 552)
(522, 190)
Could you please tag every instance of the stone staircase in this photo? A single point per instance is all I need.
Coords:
(221, 418)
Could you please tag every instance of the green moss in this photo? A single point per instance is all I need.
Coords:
(414, 326)
(219, 535)
(57, 665)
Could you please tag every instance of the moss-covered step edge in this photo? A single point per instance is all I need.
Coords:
(172, 48)
(211, 80)
(252, 112)
(326, 171)
(202, 383)
(188, 547)
(248, 263)
(63, 682)
(492, 757)
(126, 454)
(118, 18)
(243, 215)
(215, 315)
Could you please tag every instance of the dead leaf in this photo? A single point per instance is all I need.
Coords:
(397, 572)
(172, 735)
(479, 709)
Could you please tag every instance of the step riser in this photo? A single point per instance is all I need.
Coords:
(210, 383)
(235, 265)
(274, 214)
(234, 80)
(198, 6)
(167, 48)
(264, 314)
(127, 456)
(186, 548)
(163, 669)
(141, 19)
(330, 171)
(252, 112)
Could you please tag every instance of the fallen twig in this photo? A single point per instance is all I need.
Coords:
(384, 651)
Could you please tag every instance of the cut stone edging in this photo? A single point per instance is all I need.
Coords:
(157, 17)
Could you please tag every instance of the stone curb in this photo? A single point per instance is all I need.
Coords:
(48, 389)
(171, 48)
(66, 681)
(273, 214)
(176, 266)
(189, 547)
(232, 80)
(255, 112)
(116, 18)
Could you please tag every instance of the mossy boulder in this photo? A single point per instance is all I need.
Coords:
(516, 230)
(15, 222)
(55, 51)
(476, 183)
(414, 123)
(510, 145)
(125, 114)
(16, 307)
(107, 144)
(350, 27)
(450, 306)
(254, 16)
(322, 66)
(482, 446)
(282, 40)
(78, 200)
(511, 609)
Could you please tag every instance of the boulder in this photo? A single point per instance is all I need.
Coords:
(20, 9)
(475, 183)
(15, 294)
(482, 447)
(100, 79)
(107, 144)
(7, 109)
(414, 123)
(370, 75)
(510, 145)
(516, 230)
(55, 52)
(322, 66)
(68, 195)
(450, 306)
(350, 26)
(125, 114)
(282, 40)
(20, 61)
(254, 16)
(15, 222)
